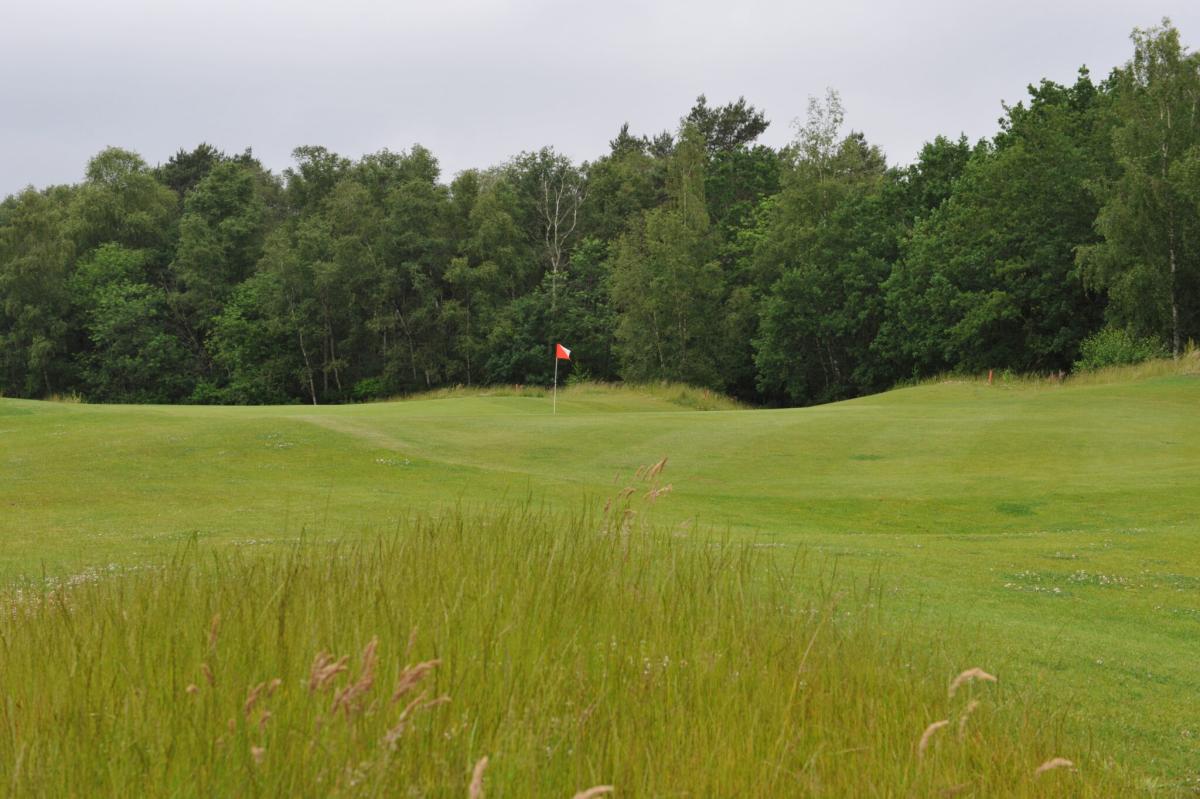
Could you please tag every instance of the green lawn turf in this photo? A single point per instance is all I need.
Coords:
(1051, 529)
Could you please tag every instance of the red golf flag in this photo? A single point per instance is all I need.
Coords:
(562, 353)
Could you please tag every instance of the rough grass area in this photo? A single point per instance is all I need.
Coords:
(685, 396)
(1186, 365)
(1050, 531)
(572, 653)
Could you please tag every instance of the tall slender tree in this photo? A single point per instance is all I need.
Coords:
(667, 285)
(1149, 258)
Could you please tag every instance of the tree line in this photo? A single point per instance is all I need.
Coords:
(797, 275)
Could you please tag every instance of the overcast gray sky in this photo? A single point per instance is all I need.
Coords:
(479, 81)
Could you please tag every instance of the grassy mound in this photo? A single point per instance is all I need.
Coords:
(570, 652)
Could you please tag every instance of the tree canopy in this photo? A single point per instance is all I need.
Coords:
(807, 273)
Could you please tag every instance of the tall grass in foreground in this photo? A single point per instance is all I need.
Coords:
(572, 653)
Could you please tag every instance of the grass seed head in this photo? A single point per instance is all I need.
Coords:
(927, 736)
(1052, 764)
(972, 706)
(412, 707)
(592, 793)
(251, 697)
(214, 627)
(349, 699)
(476, 789)
(411, 676)
(324, 670)
(412, 640)
(393, 735)
(655, 493)
(970, 675)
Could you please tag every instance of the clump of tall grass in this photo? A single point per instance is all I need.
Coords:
(700, 399)
(458, 392)
(1187, 364)
(70, 398)
(510, 654)
(682, 394)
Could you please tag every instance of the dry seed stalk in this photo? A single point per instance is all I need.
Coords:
(1053, 763)
(962, 720)
(393, 735)
(592, 793)
(324, 669)
(395, 732)
(213, 627)
(655, 493)
(411, 676)
(412, 640)
(968, 676)
(348, 698)
(476, 789)
(252, 697)
(927, 736)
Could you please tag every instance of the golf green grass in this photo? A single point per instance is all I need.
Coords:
(1049, 530)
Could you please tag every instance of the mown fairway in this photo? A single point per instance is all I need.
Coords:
(1050, 531)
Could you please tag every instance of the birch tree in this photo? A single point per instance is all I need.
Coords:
(1149, 258)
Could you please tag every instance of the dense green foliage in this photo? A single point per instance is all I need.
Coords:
(791, 276)
(1115, 346)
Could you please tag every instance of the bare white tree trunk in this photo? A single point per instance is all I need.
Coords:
(562, 196)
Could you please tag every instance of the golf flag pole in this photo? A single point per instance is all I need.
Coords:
(561, 353)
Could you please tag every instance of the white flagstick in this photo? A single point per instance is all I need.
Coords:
(555, 380)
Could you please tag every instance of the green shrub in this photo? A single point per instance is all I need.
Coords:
(579, 376)
(368, 389)
(1116, 347)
